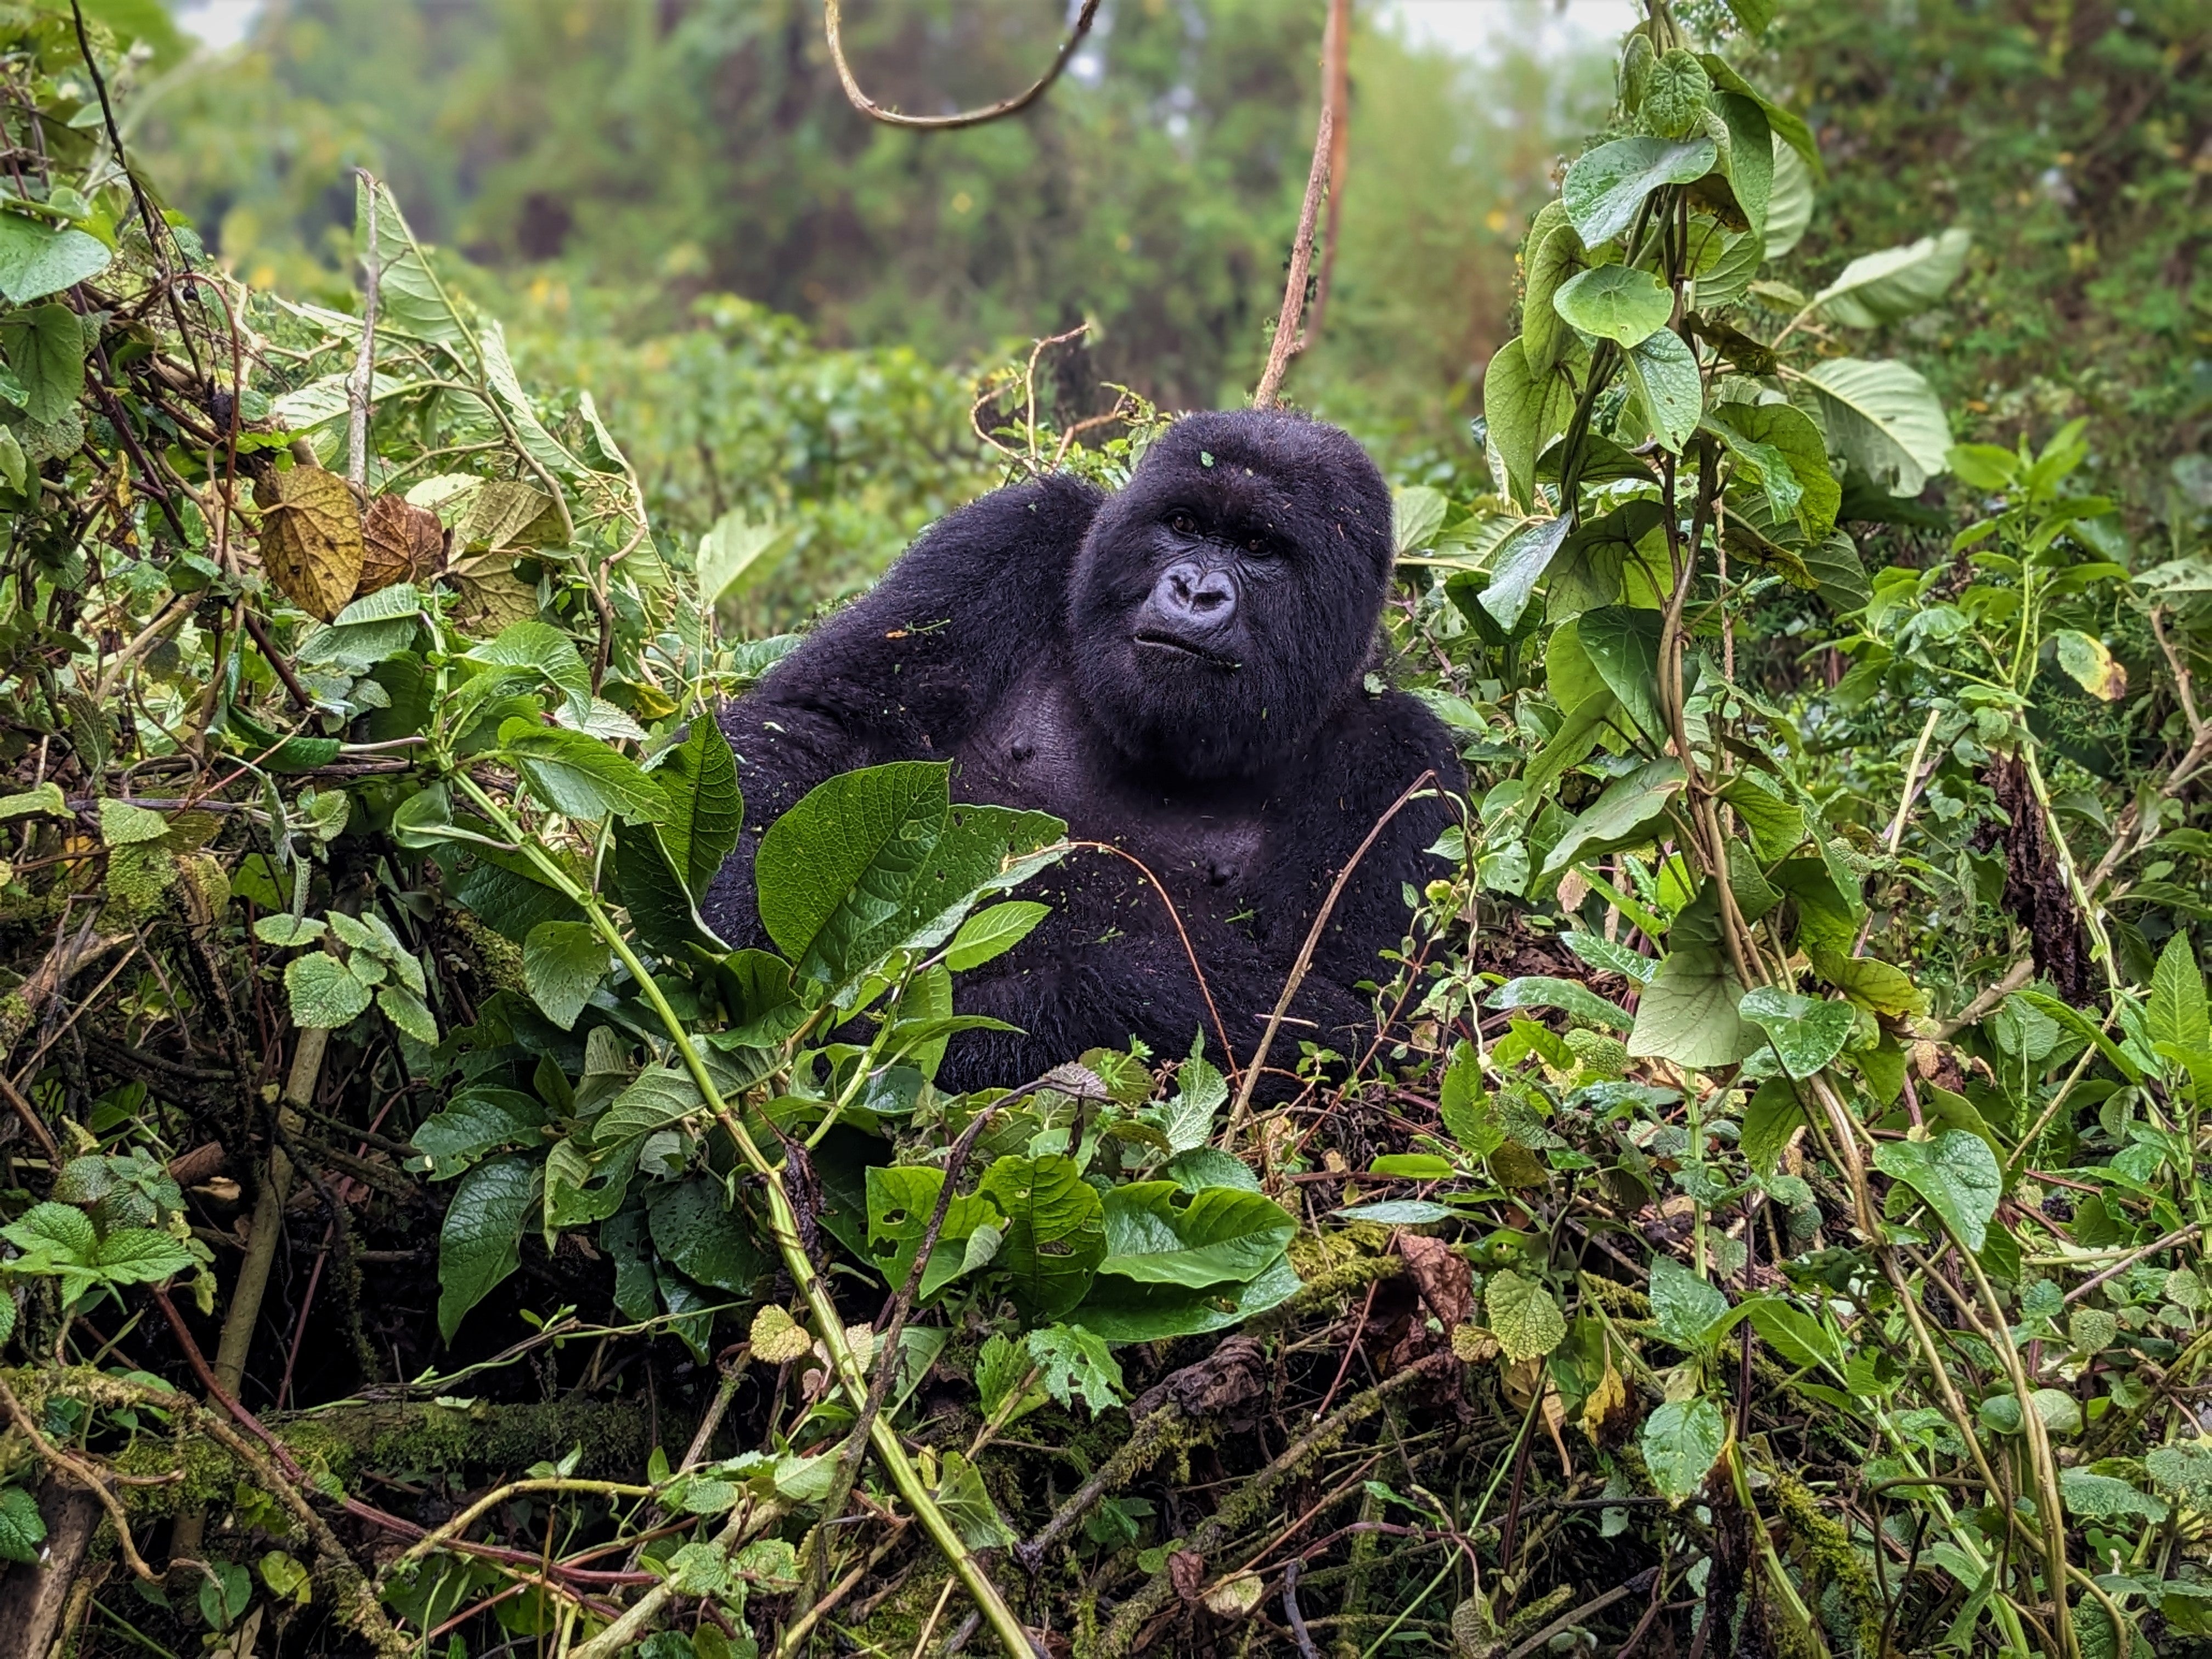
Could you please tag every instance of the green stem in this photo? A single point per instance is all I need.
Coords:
(783, 1223)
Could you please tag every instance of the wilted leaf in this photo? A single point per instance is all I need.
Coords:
(399, 544)
(311, 538)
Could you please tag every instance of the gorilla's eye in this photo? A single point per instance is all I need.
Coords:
(1183, 524)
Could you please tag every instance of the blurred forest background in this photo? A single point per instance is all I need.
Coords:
(783, 307)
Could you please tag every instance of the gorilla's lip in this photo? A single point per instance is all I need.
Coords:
(1160, 642)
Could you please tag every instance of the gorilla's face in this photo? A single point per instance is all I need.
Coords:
(1225, 601)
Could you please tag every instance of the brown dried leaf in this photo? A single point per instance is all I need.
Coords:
(1443, 1277)
(402, 542)
(310, 539)
(1186, 1572)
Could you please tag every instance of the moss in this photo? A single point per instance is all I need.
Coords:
(1830, 1560)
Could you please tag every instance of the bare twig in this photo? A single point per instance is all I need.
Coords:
(360, 385)
(832, 24)
(1297, 1619)
(1336, 99)
(1290, 336)
(83, 1474)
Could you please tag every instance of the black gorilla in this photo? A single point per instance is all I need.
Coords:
(1178, 668)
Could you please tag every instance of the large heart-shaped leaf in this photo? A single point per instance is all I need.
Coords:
(1622, 303)
(1807, 1033)
(1687, 1014)
(1604, 188)
(1956, 1172)
(1055, 1231)
(1523, 409)
(1882, 418)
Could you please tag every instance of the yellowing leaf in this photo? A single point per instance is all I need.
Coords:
(311, 538)
(776, 1338)
(1522, 1316)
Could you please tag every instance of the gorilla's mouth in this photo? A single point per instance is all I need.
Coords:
(1159, 642)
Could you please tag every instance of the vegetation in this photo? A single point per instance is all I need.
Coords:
(1771, 1217)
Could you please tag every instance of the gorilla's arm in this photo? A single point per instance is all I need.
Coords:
(904, 672)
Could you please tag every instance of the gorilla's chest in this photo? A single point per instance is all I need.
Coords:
(1036, 750)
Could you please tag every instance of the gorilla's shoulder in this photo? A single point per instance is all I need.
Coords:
(1026, 533)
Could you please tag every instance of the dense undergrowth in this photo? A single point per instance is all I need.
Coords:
(1770, 1218)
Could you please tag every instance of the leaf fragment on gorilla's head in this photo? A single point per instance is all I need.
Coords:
(400, 543)
(311, 538)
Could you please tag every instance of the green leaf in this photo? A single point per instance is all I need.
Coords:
(323, 991)
(1622, 643)
(37, 259)
(50, 1235)
(46, 798)
(1776, 826)
(1788, 201)
(1807, 1033)
(1401, 1212)
(563, 963)
(1520, 563)
(1001, 1367)
(967, 1505)
(2094, 1497)
(2090, 664)
(901, 1201)
(654, 1099)
(1664, 371)
(476, 1121)
(1624, 303)
(1607, 956)
(1772, 1116)
(1521, 1314)
(122, 824)
(1955, 1172)
(285, 930)
(140, 1256)
(1076, 1362)
(1555, 254)
(659, 906)
(1877, 987)
(1748, 162)
(1687, 1014)
(45, 346)
(696, 1232)
(1538, 991)
(737, 551)
(1681, 1441)
(545, 650)
(1055, 1231)
(2176, 1013)
(1881, 288)
(705, 809)
(1606, 185)
(579, 776)
(1126, 1310)
(1759, 430)
(1685, 1307)
(480, 1243)
(1524, 409)
(1158, 1234)
(22, 1528)
(994, 932)
(1883, 419)
(1676, 94)
(1796, 1335)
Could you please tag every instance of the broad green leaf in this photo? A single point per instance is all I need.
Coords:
(1748, 163)
(1606, 185)
(1687, 1014)
(1881, 288)
(1684, 1307)
(1877, 987)
(1807, 1033)
(966, 1504)
(705, 809)
(140, 1256)
(1788, 201)
(1787, 126)
(1776, 826)
(737, 551)
(1785, 430)
(1773, 1114)
(1622, 643)
(2090, 664)
(45, 346)
(1681, 1441)
(659, 906)
(1955, 1172)
(46, 798)
(476, 1121)
(695, 1231)
(654, 1099)
(1555, 254)
(1622, 303)
(1883, 419)
(1524, 409)
(1608, 956)
(901, 1201)
(37, 259)
(50, 1233)
(1798, 1337)
(412, 305)
(994, 932)
(22, 1528)
(480, 1243)
(1519, 563)
(2176, 1013)
(1401, 1212)
(1664, 371)
(543, 649)
(1521, 1314)
(1187, 1120)
(1417, 512)
(563, 963)
(2097, 1497)
(1055, 1231)
(1127, 1310)
(1538, 991)
(323, 991)
(580, 776)
(1158, 1234)
(1676, 94)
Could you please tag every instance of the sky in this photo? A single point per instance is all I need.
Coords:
(1474, 27)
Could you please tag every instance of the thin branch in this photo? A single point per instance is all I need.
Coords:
(1290, 338)
(362, 383)
(1336, 99)
(832, 27)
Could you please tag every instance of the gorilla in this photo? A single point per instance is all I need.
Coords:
(1183, 669)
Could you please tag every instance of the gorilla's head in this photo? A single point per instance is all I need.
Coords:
(1225, 601)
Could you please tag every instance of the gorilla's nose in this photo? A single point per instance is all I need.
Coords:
(1189, 597)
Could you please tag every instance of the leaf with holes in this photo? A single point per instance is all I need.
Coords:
(1055, 1234)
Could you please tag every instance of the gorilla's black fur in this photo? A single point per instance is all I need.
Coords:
(1177, 668)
